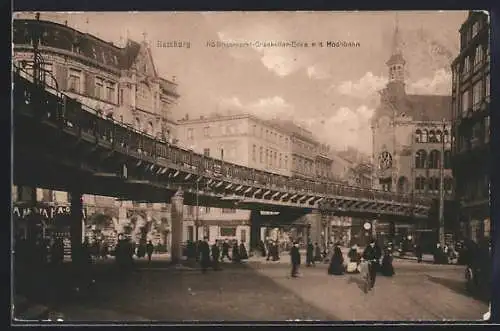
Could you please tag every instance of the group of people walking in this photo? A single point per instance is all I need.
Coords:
(212, 256)
(378, 260)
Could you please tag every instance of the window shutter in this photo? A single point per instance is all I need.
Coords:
(61, 73)
(89, 84)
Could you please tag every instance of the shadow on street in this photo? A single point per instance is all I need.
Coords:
(157, 291)
(458, 286)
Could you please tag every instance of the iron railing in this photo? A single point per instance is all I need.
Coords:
(69, 112)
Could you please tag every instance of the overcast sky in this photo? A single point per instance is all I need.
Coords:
(332, 91)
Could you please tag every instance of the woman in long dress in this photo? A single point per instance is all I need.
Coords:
(243, 252)
(236, 253)
(336, 262)
(387, 268)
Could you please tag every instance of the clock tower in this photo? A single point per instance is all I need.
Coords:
(383, 122)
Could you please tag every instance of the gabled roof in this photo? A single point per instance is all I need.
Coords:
(428, 107)
(64, 37)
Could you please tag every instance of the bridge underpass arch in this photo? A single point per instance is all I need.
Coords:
(261, 218)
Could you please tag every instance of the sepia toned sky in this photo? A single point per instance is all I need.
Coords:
(330, 90)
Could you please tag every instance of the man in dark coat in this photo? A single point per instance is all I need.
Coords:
(215, 255)
(317, 253)
(418, 252)
(225, 251)
(372, 254)
(204, 250)
(243, 252)
(270, 250)
(310, 254)
(149, 250)
(276, 251)
(295, 259)
(235, 256)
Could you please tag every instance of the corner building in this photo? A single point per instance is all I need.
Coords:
(119, 82)
(411, 135)
(471, 127)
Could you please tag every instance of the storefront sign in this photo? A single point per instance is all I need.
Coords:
(48, 212)
(264, 212)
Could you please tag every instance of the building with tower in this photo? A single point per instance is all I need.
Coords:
(411, 142)
(471, 126)
(117, 81)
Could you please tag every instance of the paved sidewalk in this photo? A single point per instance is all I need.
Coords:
(410, 295)
(236, 293)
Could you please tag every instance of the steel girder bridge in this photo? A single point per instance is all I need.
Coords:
(61, 144)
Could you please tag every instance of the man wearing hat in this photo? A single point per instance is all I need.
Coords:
(204, 250)
(372, 254)
(295, 259)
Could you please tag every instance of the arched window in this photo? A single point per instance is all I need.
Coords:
(137, 124)
(424, 136)
(150, 128)
(439, 134)
(402, 185)
(433, 184)
(420, 159)
(434, 159)
(419, 183)
(447, 159)
(448, 184)
(418, 136)
(446, 136)
(432, 137)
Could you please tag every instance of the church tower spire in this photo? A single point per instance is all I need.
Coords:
(396, 64)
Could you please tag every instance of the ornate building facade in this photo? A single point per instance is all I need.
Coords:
(471, 126)
(242, 139)
(309, 157)
(411, 139)
(118, 82)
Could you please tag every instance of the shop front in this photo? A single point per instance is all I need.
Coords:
(47, 221)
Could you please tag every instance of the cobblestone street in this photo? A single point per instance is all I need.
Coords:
(416, 292)
(260, 290)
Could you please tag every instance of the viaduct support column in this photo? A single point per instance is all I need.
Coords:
(76, 229)
(255, 229)
(177, 215)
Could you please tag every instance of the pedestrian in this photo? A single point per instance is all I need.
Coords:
(262, 247)
(197, 250)
(215, 255)
(190, 250)
(235, 256)
(438, 254)
(295, 259)
(387, 268)
(149, 250)
(276, 251)
(310, 254)
(372, 255)
(336, 262)
(418, 252)
(270, 250)
(204, 258)
(354, 259)
(317, 253)
(225, 251)
(243, 252)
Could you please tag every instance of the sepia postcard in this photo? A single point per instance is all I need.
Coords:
(251, 166)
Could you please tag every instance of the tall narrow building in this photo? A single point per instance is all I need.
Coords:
(410, 132)
(471, 126)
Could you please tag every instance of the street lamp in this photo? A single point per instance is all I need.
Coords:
(441, 185)
(196, 221)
